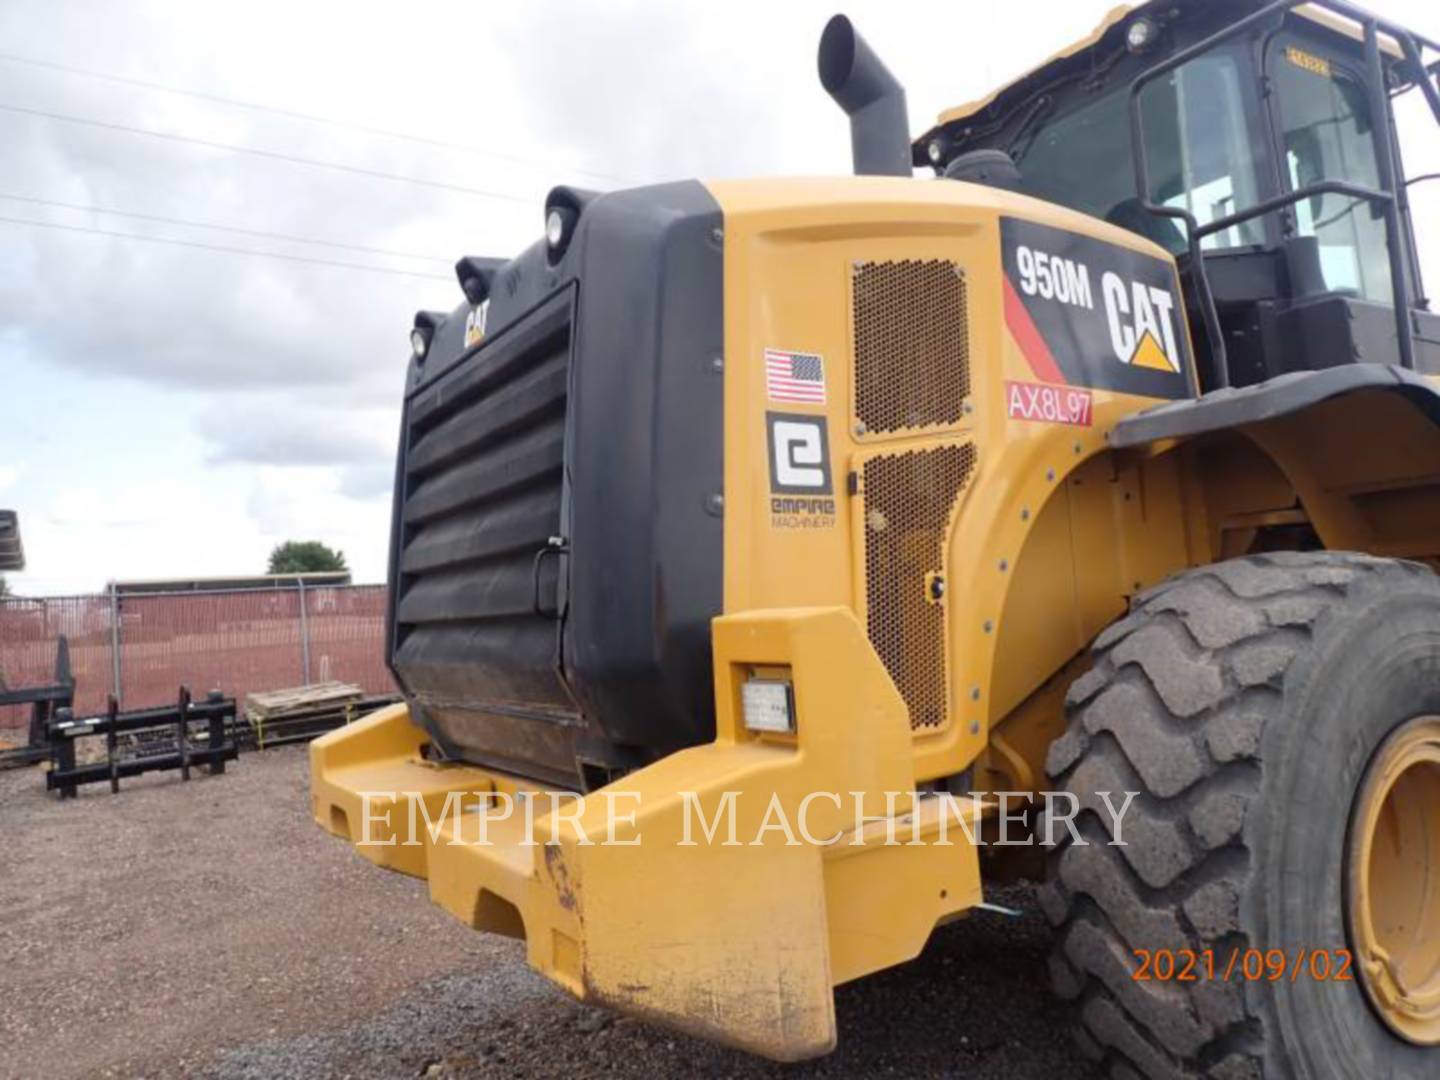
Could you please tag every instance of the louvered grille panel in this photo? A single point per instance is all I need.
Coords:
(909, 498)
(912, 344)
(473, 609)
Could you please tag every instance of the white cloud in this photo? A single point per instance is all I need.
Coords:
(173, 411)
(297, 430)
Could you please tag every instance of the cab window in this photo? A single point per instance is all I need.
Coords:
(1323, 114)
(1197, 147)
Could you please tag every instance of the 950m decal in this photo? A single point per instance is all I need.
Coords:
(1087, 313)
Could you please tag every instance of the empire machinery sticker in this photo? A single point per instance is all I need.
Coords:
(802, 488)
(1089, 315)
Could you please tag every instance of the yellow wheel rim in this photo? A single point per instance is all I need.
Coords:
(1394, 879)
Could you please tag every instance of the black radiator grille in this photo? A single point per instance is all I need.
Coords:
(475, 612)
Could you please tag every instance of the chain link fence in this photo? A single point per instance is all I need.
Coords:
(142, 647)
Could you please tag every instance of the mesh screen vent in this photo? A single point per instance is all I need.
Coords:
(908, 500)
(912, 344)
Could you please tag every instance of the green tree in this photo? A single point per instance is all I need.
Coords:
(305, 557)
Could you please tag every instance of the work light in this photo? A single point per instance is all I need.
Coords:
(768, 705)
(1141, 35)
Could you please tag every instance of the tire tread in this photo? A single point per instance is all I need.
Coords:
(1174, 707)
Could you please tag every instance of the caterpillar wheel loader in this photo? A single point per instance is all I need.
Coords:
(1103, 464)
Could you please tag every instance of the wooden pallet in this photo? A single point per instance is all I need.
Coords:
(276, 704)
(301, 725)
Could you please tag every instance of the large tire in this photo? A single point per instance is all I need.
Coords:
(1243, 701)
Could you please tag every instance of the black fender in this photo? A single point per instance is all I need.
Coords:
(1284, 395)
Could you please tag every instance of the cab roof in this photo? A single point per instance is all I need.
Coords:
(1110, 30)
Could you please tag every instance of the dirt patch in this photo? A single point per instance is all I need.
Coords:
(209, 928)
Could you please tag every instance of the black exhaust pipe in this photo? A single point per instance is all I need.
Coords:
(873, 99)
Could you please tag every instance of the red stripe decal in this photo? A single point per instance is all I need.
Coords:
(1027, 336)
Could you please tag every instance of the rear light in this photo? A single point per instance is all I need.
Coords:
(554, 228)
(422, 333)
(559, 225)
(768, 705)
(563, 207)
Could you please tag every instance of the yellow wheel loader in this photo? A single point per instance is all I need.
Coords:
(777, 562)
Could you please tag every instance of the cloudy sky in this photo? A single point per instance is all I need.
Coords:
(172, 410)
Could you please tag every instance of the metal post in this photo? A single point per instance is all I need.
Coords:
(304, 632)
(112, 710)
(182, 732)
(1390, 184)
(115, 638)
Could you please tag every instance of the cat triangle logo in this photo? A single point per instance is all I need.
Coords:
(1149, 354)
(1142, 323)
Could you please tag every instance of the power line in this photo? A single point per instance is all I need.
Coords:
(223, 228)
(220, 247)
(270, 154)
(294, 114)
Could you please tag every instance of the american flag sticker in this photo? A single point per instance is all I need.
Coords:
(795, 376)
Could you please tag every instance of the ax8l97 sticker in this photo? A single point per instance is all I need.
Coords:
(1049, 404)
(1089, 314)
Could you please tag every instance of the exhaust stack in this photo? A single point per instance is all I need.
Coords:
(873, 99)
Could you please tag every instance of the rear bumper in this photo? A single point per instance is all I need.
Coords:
(810, 876)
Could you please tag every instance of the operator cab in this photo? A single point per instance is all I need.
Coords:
(1258, 163)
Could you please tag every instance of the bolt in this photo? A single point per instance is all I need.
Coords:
(967, 408)
(715, 504)
(937, 587)
(718, 235)
(1077, 448)
(974, 693)
(1050, 475)
(989, 626)
(1004, 565)
(860, 428)
(974, 727)
(1025, 514)
(717, 364)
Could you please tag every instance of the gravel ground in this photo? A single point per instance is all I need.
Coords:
(210, 929)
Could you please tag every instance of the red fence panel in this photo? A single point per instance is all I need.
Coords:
(29, 633)
(238, 642)
(232, 642)
(347, 637)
